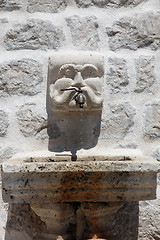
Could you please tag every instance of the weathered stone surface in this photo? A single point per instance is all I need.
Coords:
(118, 121)
(151, 122)
(145, 74)
(128, 145)
(125, 222)
(46, 6)
(6, 153)
(129, 176)
(3, 20)
(34, 34)
(4, 123)
(3, 215)
(63, 74)
(108, 3)
(117, 76)
(149, 218)
(32, 121)
(84, 32)
(23, 223)
(156, 154)
(9, 5)
(140, 31)
(96, 220)
(21, 77)
(60, 219)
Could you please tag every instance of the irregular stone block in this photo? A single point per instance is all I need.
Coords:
(145, 74)
(46, 6)
(118, 121)
(156, 154)
(21, 77)
(108, 3)
(34, 34)
(84, 32)
(149, 217)
(140, 31)
(3, 20)
(32, 121)
(4, 123)
(117, 76)
(9, 5)
(6, 153)
(151, 120)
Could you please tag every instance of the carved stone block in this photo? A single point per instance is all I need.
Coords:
(75, 82)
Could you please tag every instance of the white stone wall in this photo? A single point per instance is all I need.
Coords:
(127, 32)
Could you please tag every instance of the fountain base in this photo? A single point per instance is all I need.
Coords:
(77, 199)
(76, 221)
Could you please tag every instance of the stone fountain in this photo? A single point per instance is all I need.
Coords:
(78, 184)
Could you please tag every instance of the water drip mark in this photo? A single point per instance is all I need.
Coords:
(81, 135)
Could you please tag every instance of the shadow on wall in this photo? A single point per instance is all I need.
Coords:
(24, 224)
(74, 131)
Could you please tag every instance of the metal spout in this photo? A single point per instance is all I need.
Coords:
(79, 98)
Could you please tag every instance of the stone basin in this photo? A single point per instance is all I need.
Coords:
(94, 176)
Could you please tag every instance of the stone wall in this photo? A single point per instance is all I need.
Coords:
(127, 32)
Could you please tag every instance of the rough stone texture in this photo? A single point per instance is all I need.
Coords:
(145, 74)
(4, 123)
(32, 121)
(83, 182)
(34, 34)
(128, 177)
(117, 76)
(149, 218)
(3, 20)
(151, 122)
(23, 223)
(3, 215)
(118, 121)
(125, 222)
(60, 219)
(139, 31)
(9, 5)
(128, 145)
(156, 154)
(6, 153)
(108, 3)
(84, 32)
(21, 77)
(46, 6)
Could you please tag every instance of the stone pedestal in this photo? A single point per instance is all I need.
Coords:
(76, 220)
(93, 219)
(77, 199)
(60, 219)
